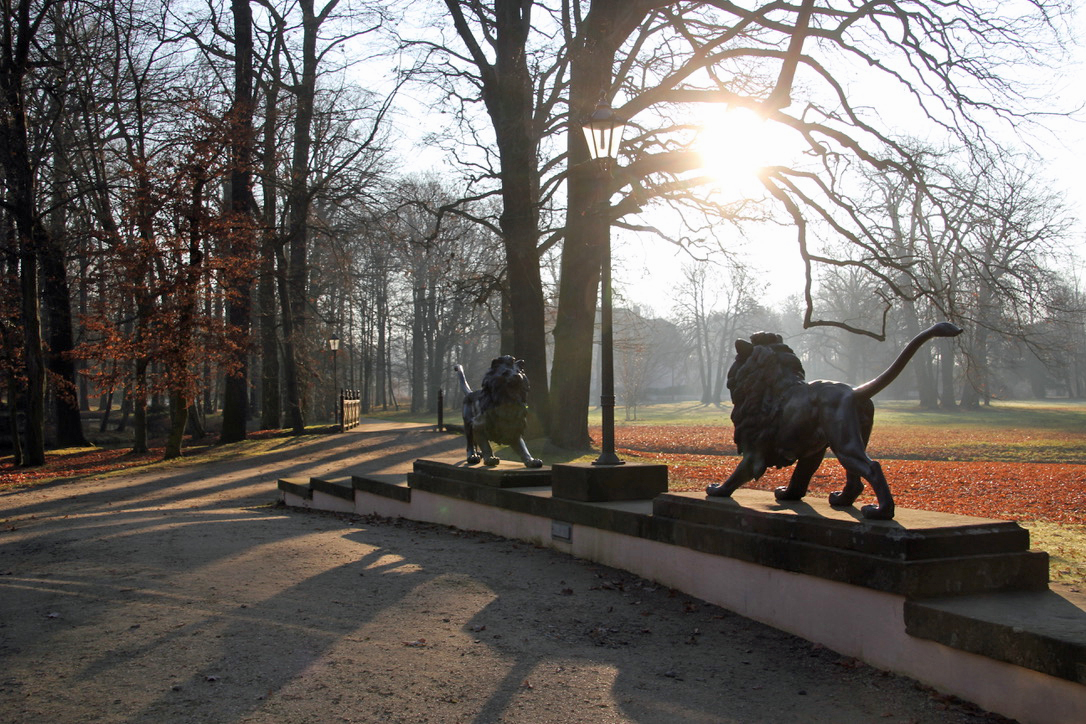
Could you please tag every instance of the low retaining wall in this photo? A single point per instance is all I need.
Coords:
(958, 603)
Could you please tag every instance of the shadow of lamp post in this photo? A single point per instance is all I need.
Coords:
(333, 345)
(603, 131)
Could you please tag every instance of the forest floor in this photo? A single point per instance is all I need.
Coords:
(184, 593)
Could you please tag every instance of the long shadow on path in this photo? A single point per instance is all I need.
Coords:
(186, 596)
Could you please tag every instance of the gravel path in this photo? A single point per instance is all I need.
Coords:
(188, 595)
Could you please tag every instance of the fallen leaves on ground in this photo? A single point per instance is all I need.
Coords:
(87, 461)
(82, 462)
(1023, 491)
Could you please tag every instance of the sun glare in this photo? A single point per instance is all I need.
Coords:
(735, 144)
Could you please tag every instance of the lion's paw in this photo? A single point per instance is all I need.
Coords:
(474, 459)
(534, 463)
(839, 500)
(782, 493)
(874, 512)
(492, 461)
(717, 490)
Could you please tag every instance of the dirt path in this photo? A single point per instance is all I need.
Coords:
(187, 596)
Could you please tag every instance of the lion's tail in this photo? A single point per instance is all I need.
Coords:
(463, 380)
(877, 385)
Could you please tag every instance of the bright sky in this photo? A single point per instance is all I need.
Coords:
(735, 146)
(648, 270)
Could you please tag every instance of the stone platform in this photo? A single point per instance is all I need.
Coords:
(919, 554)
(959, 603)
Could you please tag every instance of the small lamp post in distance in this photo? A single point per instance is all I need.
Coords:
(333, 345)
(603, 132)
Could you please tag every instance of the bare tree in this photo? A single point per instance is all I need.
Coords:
(1016, 223)
(501, 54)
(951, 66)
(56, 289)
(1065, 328)
(714, 305)
(974, 243)
(242, 214)
(23, 22)
(648, 351)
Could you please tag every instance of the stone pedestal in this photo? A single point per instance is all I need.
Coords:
(603, 483)
(505, 474)
(918, 554)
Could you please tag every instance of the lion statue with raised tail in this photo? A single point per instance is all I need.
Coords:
(497, 411)
(780, 420)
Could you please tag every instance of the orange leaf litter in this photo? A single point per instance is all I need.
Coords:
(1053, 492)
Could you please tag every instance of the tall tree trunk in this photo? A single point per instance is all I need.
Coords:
(34, 362)
(57, 304)
(139, 407)
(925, 375)
(84, 298)
(271, 383)
(58, 307)
(295, 419)
(126, 407)
(723, 361)
(195, 427)
(418, 349)
(701, 349)
(509, 96)
(298, 198)
(381, 353)
(517, 141)
(179, 418)
(975, 383)
(105, 408)
(607, 25)
(32, 237)
(180, 395)
(505, 331)
(239, 301)
(270, 403)
(946, 374)
(587, 229)
(56, 297)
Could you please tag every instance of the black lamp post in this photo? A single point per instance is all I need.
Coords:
(603, 132)
(333, 345)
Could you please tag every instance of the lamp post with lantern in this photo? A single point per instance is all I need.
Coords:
(603, 132)
(333, 345)
(607, 478)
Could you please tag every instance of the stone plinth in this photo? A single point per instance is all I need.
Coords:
(505, 474)
(602, 483)
(918, 554)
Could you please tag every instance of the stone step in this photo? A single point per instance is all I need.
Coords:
(1043, 630)
(912, 535)
(969, 583)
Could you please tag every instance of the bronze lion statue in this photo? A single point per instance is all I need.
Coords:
(781, 419)
(497, 411)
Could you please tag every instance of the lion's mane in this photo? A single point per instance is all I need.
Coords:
(760, 380)
(504, 401)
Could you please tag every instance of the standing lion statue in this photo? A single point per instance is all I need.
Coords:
(780, 419)
(497, 411)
